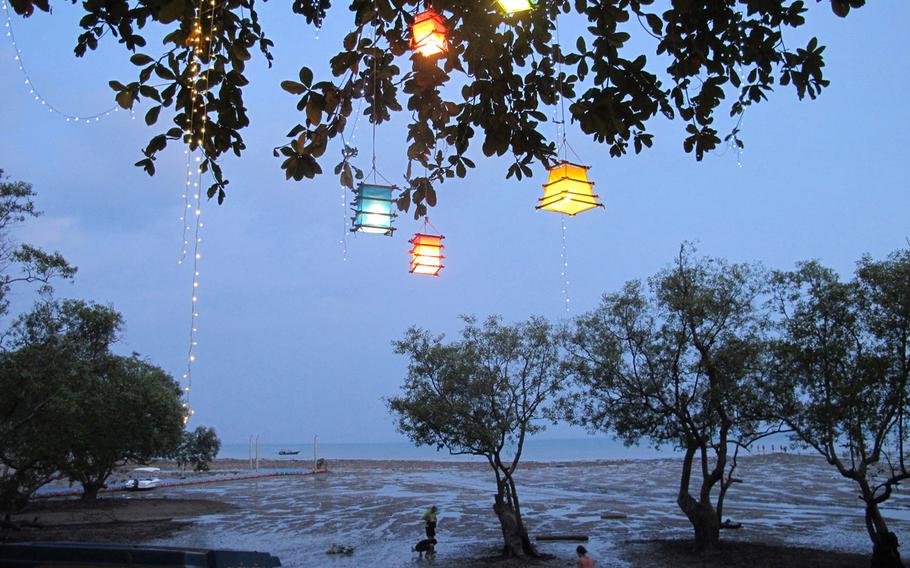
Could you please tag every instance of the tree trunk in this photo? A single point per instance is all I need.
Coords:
(885, 552)
(704, 520)
(515, 538)
(90, 490)
(525, 539)
(700, 513)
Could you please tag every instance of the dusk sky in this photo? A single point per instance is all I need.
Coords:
(293, 340)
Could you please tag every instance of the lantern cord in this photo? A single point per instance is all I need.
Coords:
(33, 90)
(426, 223)
(561, 123)
(373, 169)
(373, 81)
(564, 257)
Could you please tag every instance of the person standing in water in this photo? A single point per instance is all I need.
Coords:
(584, 561)
(429, 519)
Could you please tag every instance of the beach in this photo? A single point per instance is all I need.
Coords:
(794, 509)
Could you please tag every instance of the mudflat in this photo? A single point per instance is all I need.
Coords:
(795, 512)
(125, 519)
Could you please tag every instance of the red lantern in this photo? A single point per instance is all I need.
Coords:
(426, 255)
(428, 34)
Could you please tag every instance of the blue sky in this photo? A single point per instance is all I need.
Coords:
(293, 340)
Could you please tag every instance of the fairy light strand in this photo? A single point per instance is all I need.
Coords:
(196, 205)
(344, 195)
(185, 196)
(188, 188)
(33, 89)
(564, 147)
(564, 257)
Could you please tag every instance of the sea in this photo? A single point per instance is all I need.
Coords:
(535, 450)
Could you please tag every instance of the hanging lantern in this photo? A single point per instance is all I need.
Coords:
(516, 6)
(428, 34)
(373, 209)
(426, 255)
(568, 190)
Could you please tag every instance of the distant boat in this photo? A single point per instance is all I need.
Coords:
(288, 453)
(143, 479)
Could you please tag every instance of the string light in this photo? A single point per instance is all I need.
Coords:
(344, 195)
(194, 205)
(33, 89)
(189, 185)
(561, 134)
(564, 257)
(739, 149)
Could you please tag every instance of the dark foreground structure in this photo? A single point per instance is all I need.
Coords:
(112, 555)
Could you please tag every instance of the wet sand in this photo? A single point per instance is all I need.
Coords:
(787, 503)
(123, 520)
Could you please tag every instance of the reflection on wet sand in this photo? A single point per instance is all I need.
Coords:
(376, 508)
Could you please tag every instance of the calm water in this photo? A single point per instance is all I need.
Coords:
(579, 449)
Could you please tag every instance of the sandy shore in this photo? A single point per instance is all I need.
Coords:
(794, 510)
(123, 519)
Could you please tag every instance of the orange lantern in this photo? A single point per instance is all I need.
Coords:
(428, 34)
(568, 190)
(426, 255)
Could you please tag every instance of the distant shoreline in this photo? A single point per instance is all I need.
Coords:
(545, 451)
(294, 462)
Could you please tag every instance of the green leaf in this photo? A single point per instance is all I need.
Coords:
(293, 87)
(141, 59)
(306, 76)
(171, 11)
(152, 115)
(124, 99)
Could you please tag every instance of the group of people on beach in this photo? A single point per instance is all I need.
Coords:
(428, 545)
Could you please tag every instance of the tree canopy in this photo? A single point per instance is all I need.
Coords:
(198, 448)
(72, 408)
(482, 395)
(23, 263)
(676, 363)
(624, 64)
(839, 377)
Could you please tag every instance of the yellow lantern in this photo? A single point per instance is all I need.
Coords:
(428, 34)
(568, 190)
(426, 254)
(516, 6)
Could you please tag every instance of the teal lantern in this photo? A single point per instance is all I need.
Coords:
(373, 209)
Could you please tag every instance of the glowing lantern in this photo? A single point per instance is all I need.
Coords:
(428, 34)
(426, 255)
(373, 209)
(515, 6)
(568, 190)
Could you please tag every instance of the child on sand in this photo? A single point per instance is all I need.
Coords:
(584, 561)
(429, 518)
